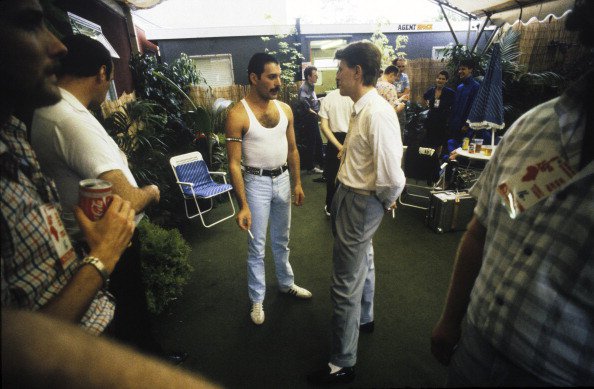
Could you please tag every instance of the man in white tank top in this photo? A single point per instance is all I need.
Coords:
(260, 130)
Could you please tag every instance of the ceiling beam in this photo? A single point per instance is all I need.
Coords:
(445, 3)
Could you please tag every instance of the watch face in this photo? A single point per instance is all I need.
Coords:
(142, 4)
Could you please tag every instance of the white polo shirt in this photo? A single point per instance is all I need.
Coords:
(337, 109)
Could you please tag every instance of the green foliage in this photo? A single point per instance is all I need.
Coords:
(165, 264)
(521, 90)
(389, 52)
(141, 132)
(187, 128)
(380, 40)
(139, 121)
(161, 82)
(458, 53)
(285, 48)
(400, 45)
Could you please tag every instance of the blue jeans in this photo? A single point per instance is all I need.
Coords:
(268, 199)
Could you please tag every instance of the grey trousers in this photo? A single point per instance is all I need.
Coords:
(355, 217)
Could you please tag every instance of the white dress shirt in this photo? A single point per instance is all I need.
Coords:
(373, 150)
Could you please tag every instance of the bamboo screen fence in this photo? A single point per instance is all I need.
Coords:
(547, 45)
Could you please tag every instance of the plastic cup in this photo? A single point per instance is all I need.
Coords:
(479, 145)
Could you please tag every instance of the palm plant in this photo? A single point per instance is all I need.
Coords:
(521, 90)
(140, 131)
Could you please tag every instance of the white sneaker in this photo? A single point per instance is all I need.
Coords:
(326, 210)
(298, 292)
(257, 313)
(316, 170)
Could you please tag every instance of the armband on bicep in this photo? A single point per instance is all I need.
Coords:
(231, 139)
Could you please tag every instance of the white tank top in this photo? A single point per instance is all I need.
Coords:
(265, 148)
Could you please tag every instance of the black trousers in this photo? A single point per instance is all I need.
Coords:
(331, 167)
(132, 321)
(313, 154)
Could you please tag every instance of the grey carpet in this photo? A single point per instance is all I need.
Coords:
(211, 321)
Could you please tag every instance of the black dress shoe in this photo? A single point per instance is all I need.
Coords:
(367, 327)
(320, 179)
(324, 377)
(176, 358)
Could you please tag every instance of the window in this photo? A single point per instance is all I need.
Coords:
(438, 52)
(217, 69)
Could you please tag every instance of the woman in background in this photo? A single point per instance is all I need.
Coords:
(439, 99)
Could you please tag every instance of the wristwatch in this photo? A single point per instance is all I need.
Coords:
(100, 267)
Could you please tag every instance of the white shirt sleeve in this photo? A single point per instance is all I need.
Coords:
(324, 108)
(387, 146)
(84, 150)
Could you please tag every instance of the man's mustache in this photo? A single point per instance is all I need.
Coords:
(54, 68)
(275, 90)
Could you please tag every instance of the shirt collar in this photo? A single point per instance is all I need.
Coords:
(72, 100)
(362, 102)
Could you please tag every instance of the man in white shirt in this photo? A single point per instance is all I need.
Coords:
(335, 114)
(71, 146)
(371, 179)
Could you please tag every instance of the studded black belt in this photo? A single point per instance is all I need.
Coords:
(266, 172)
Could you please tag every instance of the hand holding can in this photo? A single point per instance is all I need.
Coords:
(94, 197)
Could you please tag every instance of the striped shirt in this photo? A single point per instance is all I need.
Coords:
(31, 271)
(534, 296)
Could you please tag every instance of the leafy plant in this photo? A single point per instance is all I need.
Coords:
(162, 82)
(287, 54)
(165, 264)
(389, 52)
(400, 45)
(286, 49)
(140, 131)
(380, 40)
(521, 90)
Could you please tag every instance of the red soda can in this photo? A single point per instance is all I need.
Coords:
(94, 197)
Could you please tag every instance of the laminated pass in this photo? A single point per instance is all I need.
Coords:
(534, 183)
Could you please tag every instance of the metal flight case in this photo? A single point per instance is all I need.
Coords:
(449, 210)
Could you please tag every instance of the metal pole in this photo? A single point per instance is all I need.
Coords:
(480, 33)
(468, 32)
(449, 25)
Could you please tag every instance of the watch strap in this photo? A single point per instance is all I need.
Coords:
(100, 267)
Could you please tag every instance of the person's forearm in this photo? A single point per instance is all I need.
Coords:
(466, 268)
(294, 167)
(139, 198)
(329, 134)
(39, 352)
(74, 299)
(238, 186)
